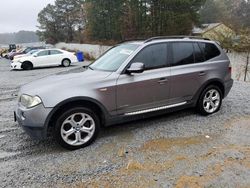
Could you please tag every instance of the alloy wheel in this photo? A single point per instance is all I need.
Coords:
(211, 101)
(78, 129)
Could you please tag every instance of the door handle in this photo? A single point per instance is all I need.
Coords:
(163, 80)
(202, 73)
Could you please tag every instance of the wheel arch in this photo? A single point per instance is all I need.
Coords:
(29, 62)
(93, 104)
(66, 58)
(217, 82)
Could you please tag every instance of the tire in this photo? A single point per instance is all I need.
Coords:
(66, 63)
(210, 100)
(27, 66)
(71, 134)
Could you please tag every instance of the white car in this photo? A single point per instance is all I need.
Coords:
(45, 58)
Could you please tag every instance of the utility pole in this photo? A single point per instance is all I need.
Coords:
(246, 70)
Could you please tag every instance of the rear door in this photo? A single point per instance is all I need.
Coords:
(42, 59)
(184, 73)
(192, 64)
(149, 89)
(56, 57)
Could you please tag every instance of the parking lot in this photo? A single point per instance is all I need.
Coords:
(181, 149)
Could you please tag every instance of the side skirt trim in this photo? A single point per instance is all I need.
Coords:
(154, 109)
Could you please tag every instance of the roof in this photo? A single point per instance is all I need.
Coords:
(167, 38)
(205, 28)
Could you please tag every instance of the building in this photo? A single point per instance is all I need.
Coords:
(214, 31)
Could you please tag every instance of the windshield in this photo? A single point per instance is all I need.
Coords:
(27, 50)
(114, 58)
(32, 52)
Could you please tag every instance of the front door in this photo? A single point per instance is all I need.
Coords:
(147, 90)
(42, 59)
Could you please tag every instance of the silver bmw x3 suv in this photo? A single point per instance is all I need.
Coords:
(133, 80)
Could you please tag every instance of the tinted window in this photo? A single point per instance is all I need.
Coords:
(182, 53)
(154, 56)
(55, 52)
(43, 53)
(198, 55)
(210, 50)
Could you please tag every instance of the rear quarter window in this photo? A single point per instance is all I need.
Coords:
(209, 50)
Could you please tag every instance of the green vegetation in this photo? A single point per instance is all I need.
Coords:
(234, 13)
(110, 21)
(116, 20)
(61, 22)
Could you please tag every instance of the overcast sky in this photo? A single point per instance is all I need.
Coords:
(16, 15)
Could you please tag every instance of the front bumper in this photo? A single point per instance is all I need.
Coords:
(16, 66)
(33, 120)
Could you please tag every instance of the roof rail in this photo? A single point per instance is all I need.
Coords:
(174, 37)
(132, 40)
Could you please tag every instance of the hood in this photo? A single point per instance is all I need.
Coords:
(68, 81)
(20, 56)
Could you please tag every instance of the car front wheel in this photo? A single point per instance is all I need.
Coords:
(210, 100)
(77, 128)
(27, 65)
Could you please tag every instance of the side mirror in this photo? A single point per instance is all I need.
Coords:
(34, 55)
(136, 68)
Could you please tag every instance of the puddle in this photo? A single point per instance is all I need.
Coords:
(163, 144)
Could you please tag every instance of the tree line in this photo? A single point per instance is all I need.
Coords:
(117, 20)
(101, 20)
(19, 37)
(234, 13)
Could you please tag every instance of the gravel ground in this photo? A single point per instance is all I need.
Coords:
(181, 149)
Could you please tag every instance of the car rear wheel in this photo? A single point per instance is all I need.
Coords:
(77, 128)
(27, 65)
(210, 100)
(66, 63)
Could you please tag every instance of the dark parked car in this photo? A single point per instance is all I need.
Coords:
(12, 47)
(25, 51)
(132, 80)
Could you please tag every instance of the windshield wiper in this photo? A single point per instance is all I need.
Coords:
(90, 68)
(87, 67)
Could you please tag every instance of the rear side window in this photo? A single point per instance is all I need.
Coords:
(182, 53)
(154, 56)
(55, 52)
(210, 50)
(198, 54)
(43, 53)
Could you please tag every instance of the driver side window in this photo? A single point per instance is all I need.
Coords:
(153, 56)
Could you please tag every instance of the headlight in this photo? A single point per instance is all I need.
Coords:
(30, 101)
